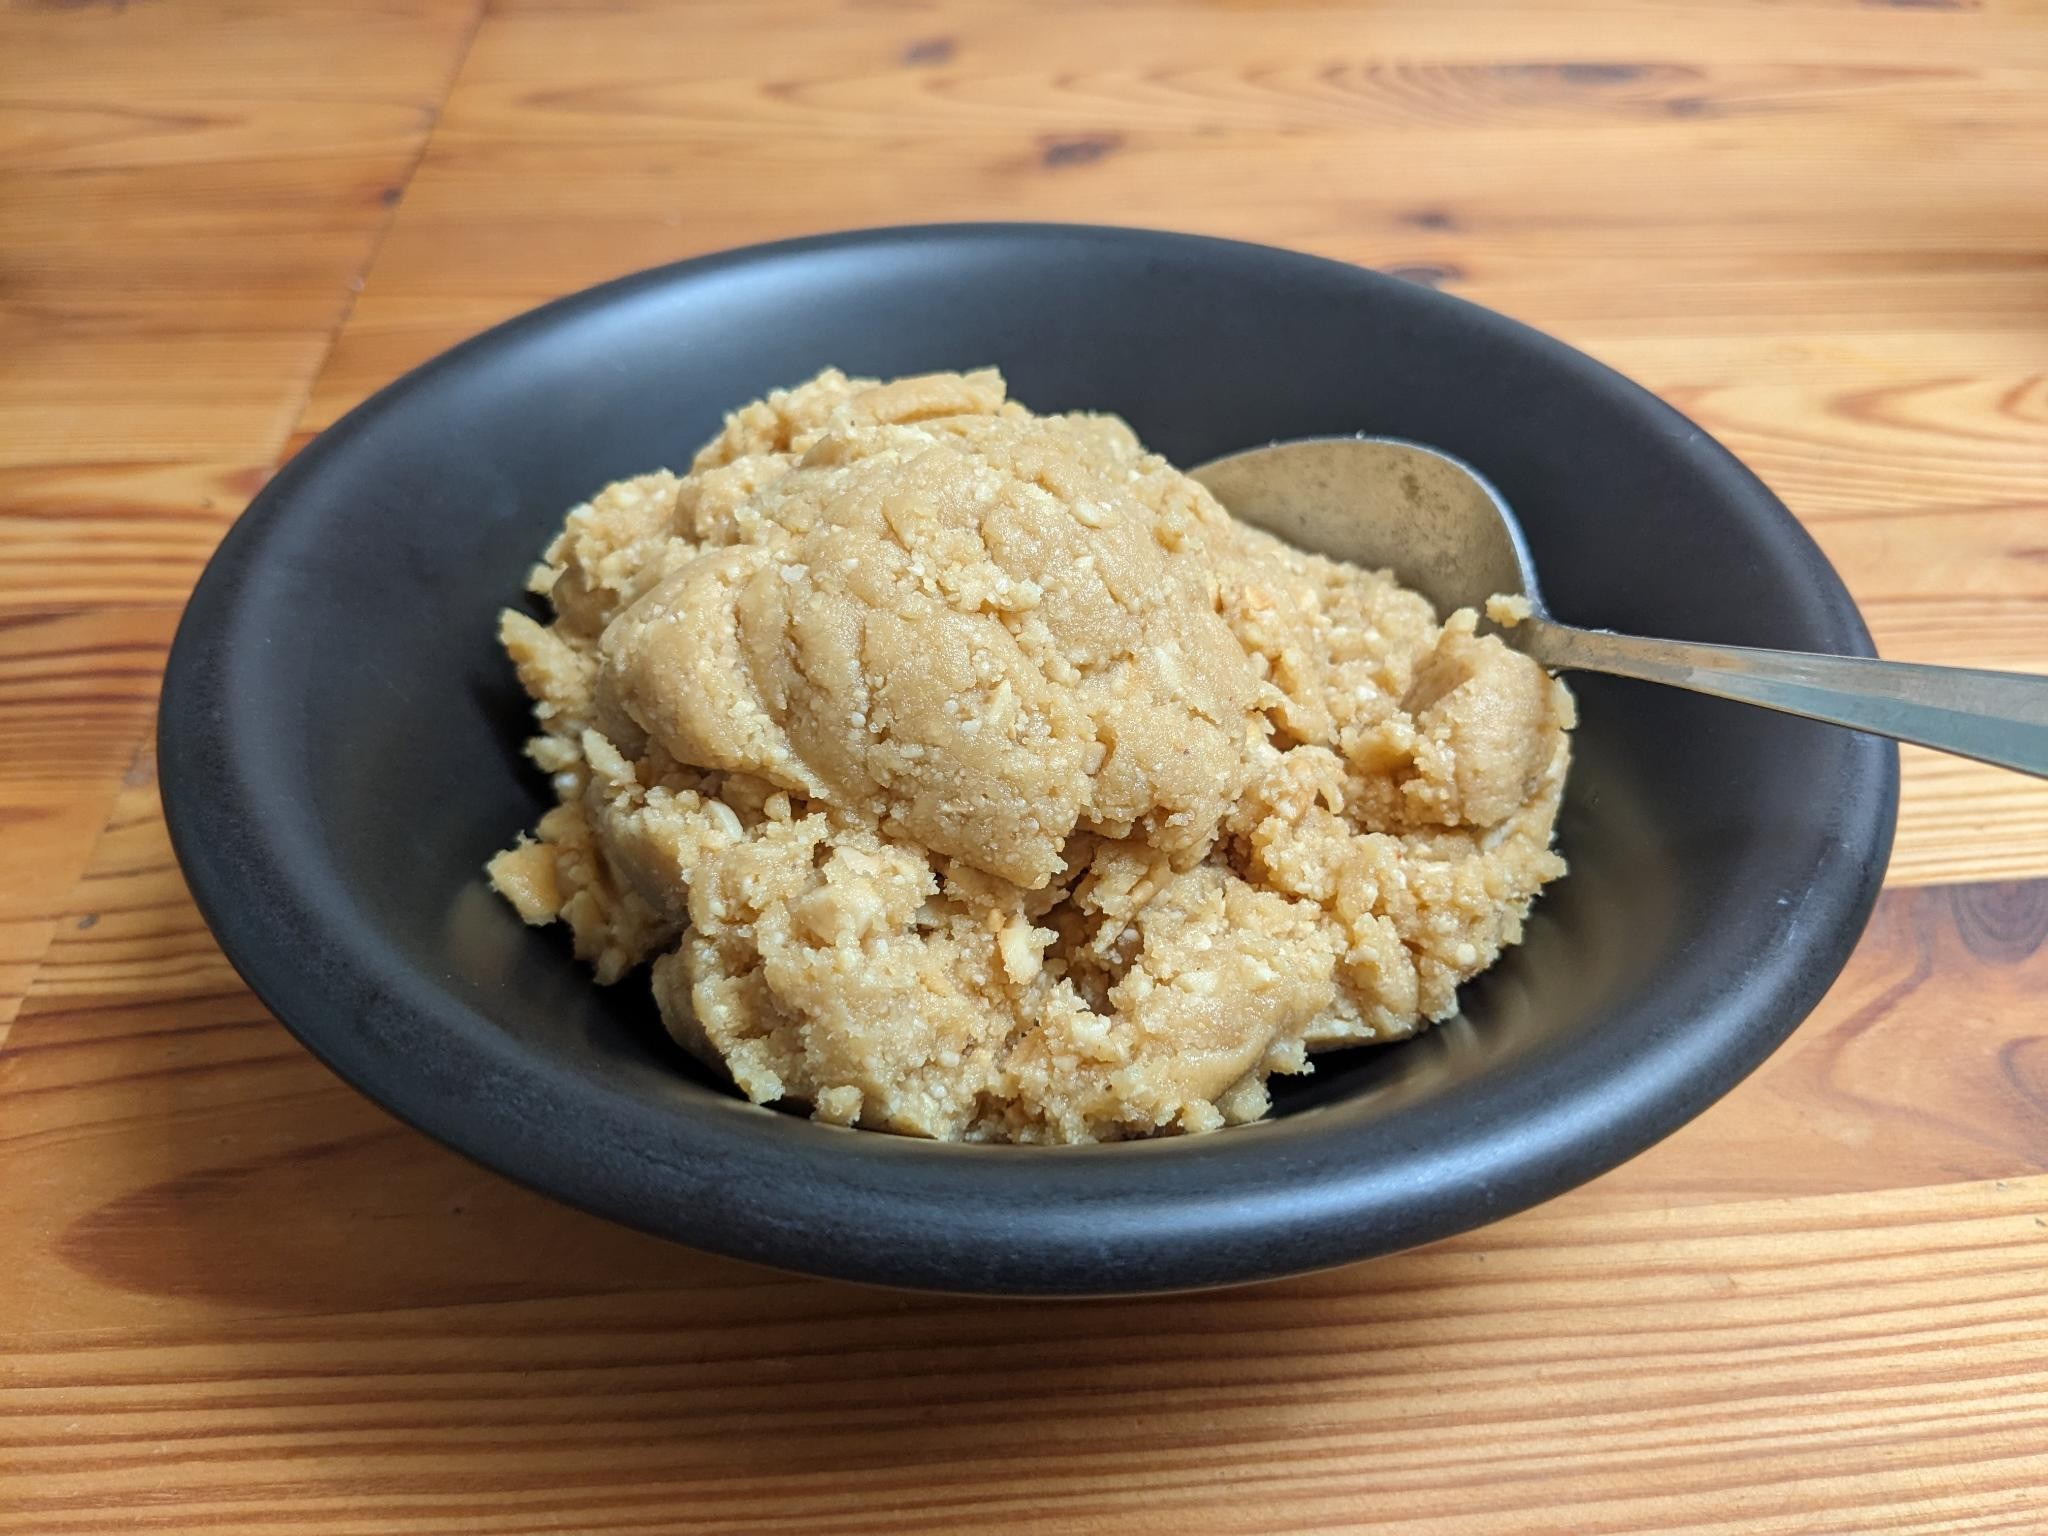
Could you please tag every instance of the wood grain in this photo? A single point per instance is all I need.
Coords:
(238, 1297)
(187, 195)
(1713, 205)
(402, 1341)
(191, 194)
(146, 1083)
(77, 691)
(1856, 1364)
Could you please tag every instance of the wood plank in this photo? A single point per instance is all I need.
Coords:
(148, 1105)
(82, 537)
(1844, 1363)
(1924, 1063)
(1399, 138)
(239, 1297)
(47, 838)
(191, 193)
(1881, 369)
(243, 1298)
(76, 694)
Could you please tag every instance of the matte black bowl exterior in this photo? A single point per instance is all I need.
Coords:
(340, 737)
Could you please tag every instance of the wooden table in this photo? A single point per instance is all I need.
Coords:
(237, 1297)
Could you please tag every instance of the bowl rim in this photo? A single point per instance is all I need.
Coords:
(1170, 1214)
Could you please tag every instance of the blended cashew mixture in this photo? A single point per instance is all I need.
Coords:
(971, 774)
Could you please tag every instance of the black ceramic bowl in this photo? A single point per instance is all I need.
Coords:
(340, 755)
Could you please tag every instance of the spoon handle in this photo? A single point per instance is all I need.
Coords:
(1995, 717)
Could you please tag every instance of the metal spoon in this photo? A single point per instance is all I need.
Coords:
(1442, 529)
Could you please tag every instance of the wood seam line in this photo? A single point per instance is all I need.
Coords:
(353, 286)
(114, 790)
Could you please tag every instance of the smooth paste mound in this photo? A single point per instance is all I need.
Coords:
(971, 774)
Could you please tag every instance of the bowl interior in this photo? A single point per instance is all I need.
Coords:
(341, 734)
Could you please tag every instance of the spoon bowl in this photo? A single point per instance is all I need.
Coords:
(1386, 504)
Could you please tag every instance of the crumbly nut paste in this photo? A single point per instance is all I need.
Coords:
(971, 774)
